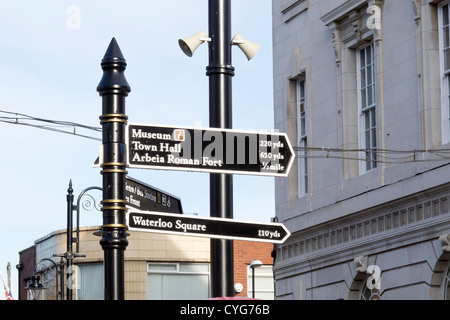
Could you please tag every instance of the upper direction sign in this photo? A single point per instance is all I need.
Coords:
(147, 198)
(209, 150)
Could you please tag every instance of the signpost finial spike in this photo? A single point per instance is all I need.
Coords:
(113, 65)
(70, 190)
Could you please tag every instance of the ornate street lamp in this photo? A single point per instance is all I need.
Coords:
(89, 203)
(69, 254)
(35, 287)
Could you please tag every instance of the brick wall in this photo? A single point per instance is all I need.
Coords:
(28, 262)
(244, 253)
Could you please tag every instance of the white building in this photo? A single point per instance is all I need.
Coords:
(362, 88)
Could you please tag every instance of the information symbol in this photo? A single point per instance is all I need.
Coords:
(178, 135)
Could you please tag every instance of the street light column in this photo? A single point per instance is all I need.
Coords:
(220, 73)
(69, 198)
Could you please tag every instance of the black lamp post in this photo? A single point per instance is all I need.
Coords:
(69, 255)
(87, 205)
(220, 73)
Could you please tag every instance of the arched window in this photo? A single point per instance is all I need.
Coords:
(358, 288)
(366, 284)
(440, 279)
(446, 287)
(369, 294)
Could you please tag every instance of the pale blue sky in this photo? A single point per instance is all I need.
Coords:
(51, 71)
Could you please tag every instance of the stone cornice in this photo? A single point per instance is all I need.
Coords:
(342, 11)
(349, 251)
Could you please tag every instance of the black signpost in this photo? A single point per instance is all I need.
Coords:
(144, 197)
(208, 150)
(215, 228)
(113, 88)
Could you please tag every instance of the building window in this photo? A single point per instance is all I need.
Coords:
(447, 285)
(444, 35)
(367, 106)
(90, 283)
(178, 281)
(369, 294)
(303, 170)
(264, 285)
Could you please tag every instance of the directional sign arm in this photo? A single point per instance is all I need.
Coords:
(209, 150)
(206, 227)
(144, 197)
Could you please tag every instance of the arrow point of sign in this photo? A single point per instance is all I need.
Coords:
(218, 228)
(292, 154)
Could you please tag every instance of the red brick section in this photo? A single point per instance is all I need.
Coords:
(27, 259)
(244, 253)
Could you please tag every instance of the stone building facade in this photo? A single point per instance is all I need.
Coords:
(362, 88)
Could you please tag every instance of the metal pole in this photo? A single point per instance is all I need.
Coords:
(61, 275)
(69, 236)
(253, 282)
(113, 88)
(19, 268)
(220, 73)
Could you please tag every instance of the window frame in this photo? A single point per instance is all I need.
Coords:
(178, 270)
(79, 270)
(265, 272)
(302, 136)
(367, 122)
(446, 285)
(445, 73)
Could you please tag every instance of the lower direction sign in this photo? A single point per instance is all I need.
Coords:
(206, 227)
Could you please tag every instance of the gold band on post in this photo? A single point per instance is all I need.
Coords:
(114, 201)
(113, 117)
(114, 208)
(116, 164)
(113, 120)
(113, 171)
(115, 225)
